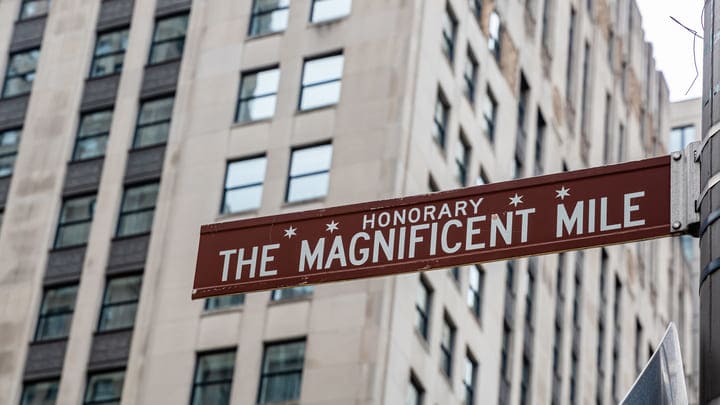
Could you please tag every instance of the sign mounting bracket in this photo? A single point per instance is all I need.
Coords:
(685, 190)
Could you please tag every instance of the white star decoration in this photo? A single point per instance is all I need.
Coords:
(332, 226)
(562, 193)
(515, 200)
(290, 232)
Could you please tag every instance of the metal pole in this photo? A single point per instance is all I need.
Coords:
(709, 204)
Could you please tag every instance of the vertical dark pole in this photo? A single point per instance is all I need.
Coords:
(709, 209)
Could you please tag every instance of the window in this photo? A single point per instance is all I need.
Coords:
(92, 135)
(9, 141)
(638, 346)
(75, 220)
(268, 16)
(449, 32)
(213, 378)
(539, 143)
(168, 39)
(680, 137)
(328, 10)
(475, 8)
(321, 82)
(621, 143)
(606, 135)
(153, 123)
(470, 76)
(525, 381)
(687, 244)
(281, 373)
(422, 307)
(489, 115)
(34, 8)
(20, 73)
(416, 392)
(475, 290)
(455, 274)
(104, 388)
(56, 313)
(611, 49)
(586, 84)
(482, 178)
(258, 94)
(138, 206)
(447, 345)
(309, 173)
(521, 139)
(469, 379)
(291, 293)
(462, 160)
(547, 8)
(494, 35)
(244, 185)
(109, 53)
(570, 57)
(120, 303)
(225, 301)
(40, 393)
(440, 119)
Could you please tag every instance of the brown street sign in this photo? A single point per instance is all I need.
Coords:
(538, 215)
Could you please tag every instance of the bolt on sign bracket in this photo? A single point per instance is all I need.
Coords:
(684, 190)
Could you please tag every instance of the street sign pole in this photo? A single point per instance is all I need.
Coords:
(709, 204)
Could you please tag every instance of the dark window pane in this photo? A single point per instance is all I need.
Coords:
(120, 303)
(137, 209)
(104, 388)
(170, 28)
(168, 39)
(20, 73)
(56, 313)
(109, 53)
(9, 141)
(166, 51)
(140, 197)
(282, 372)
(225, 301)
(40, 393)
(269, 16)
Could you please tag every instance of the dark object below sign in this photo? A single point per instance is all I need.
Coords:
(558, 212)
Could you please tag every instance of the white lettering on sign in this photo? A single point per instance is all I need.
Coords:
(250, 262)
(574, 224)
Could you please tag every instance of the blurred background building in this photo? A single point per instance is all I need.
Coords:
(126, 125)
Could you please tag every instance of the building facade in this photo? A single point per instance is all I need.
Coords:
(126, 125)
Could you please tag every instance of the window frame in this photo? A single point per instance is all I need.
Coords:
(449, 39)
(417, 386)
(447, 349)
(33, 383)
(79, 140)
(104, 305)
(462, 163)
(41, 316)
(264, 375)
(470, 82)
(476, 295)
(122, 212)
(221, 305)
(181, 39)
(312, 13)
(9, 77)
(254, 14)
(303, 292)
(306, 60)
(61, 224)
(290, 178)
(226, 189)
(22, 8)
(240, 100)
(495, 38)
(424, 314)
(139, 126)
(96, 57)
(440, 129)
(14, 154)
(490, 122)
(469, 387)
(90, 375)
(229, 382)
